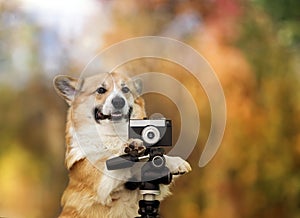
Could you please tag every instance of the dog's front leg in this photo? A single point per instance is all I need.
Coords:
(111, 181)
(114, 180)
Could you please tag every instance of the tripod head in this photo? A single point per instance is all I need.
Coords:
(153, 173)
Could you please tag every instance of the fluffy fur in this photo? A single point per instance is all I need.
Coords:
(96, 130)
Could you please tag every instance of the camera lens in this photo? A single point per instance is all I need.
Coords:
(151, 135)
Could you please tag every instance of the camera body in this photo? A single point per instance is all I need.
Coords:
(153, 133)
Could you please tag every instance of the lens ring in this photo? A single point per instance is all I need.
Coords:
(156, 135)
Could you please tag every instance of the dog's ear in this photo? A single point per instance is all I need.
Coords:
(66, 87)
(138, 85)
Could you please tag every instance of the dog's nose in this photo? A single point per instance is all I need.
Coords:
(118, 102)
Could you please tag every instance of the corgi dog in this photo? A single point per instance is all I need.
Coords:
(100, 107)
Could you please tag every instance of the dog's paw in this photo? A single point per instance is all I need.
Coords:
(135, 147)
(177, 165)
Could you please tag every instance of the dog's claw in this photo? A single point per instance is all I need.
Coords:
(127, 150)
(131, 145)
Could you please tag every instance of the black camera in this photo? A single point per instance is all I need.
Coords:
(152, 132)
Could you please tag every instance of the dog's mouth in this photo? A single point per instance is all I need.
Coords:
(114, 116)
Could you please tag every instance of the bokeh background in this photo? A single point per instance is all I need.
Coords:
(254, 48)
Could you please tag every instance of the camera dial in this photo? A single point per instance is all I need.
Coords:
(158, 161)
(151, 135)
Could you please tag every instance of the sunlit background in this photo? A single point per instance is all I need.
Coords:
(254, 47)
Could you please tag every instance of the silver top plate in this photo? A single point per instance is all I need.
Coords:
(141, 123)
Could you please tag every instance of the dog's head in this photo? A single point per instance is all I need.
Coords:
(103, 98)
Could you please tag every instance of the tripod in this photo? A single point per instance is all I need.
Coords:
(153, 173)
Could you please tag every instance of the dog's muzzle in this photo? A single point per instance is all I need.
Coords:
(117, 113)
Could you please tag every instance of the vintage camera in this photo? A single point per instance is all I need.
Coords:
(154, 133)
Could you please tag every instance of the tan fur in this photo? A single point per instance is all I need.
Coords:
(92, 190)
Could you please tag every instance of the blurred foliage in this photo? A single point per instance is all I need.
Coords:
(31, 154)
(253, 47)
(286, 16)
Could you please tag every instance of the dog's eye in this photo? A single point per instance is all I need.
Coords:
(125, 89)
(101, 90)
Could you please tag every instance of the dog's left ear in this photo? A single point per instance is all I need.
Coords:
(66, 87)
(138, 85)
